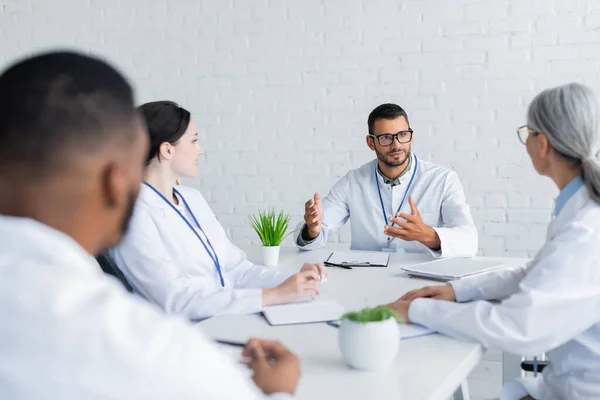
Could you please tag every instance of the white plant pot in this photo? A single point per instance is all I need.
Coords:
(270, 255)
(369, 346)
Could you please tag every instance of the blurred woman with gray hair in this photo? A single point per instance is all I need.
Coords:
(552, 305)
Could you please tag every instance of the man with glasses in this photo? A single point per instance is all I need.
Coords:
(395, 202)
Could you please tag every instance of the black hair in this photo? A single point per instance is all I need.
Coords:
(385, 111)
(59, 104)
(166, 122)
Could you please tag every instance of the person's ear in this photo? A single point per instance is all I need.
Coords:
(114, 189)
(543, 146)
(166, 150)
(371, 142)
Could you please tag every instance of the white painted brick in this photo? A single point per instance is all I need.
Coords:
(420, 30)
(363, 76)
(486, 11)
(496, 200)
(325, 157)
(589, 36)
(220, 195)
(490, 245)
(547, 53)
(398, 75)
(506, 229)
(431, 88)
(503, 57)
(543, 202)
(499, 100)
(466, 29)
(518, 25)
(483, 117)
(521, 40)
(469, 57)
(524, 243)
(568, 67)
(528, 216)
(424, 60)
(532, 8)
(568, 8)
(475, 143)
(519, 200)
(482, 71)
(487, 42)
(548, 38)
(398, 46)
(441, 44)
(488, 215)
(251, 182)
(592, 20)
(446, 11)
(430, 116)
(564, 22)
(240, 169)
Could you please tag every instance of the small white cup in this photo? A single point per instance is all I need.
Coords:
(369, 346)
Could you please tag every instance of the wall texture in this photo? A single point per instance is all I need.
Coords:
(280, 90)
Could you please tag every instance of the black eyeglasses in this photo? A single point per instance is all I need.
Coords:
(387, 139)
(524, 131)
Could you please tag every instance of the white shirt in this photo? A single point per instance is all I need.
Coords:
(70, 332)
(552, 305)
(436, 190)
(167, 264)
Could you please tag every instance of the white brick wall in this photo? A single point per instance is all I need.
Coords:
(280, 90)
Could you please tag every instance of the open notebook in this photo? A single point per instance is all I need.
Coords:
(321, 309)
(452, 268)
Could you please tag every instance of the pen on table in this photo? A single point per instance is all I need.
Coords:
(335, 324)
(339, 265)
(231, 343)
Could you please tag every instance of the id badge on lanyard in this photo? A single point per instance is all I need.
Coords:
(207, 245)
(389, 246)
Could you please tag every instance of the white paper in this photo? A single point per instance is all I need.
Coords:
(374, 258)
(409, 331)
(453, 268)
(320, 310)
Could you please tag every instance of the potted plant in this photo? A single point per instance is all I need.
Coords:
(271, 229)
(369, 338)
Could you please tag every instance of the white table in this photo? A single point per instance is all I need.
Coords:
(431, 367)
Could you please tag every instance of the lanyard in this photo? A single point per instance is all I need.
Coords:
(212, 253)
(385, 221)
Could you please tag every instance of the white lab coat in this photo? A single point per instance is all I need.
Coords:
(166, 263)
(70, 332)
(552, 305)
(436, 190)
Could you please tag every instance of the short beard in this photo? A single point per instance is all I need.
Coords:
(393, 164)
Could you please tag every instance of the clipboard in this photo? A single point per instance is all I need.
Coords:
(357, 259)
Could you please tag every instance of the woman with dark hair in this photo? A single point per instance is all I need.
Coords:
(176, 254)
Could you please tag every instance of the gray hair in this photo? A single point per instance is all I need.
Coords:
(569, 116)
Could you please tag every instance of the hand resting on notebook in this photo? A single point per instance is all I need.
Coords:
(300, 286)
(438, 292)
(442, 292)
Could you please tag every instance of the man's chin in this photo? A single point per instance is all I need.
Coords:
(393, 162)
